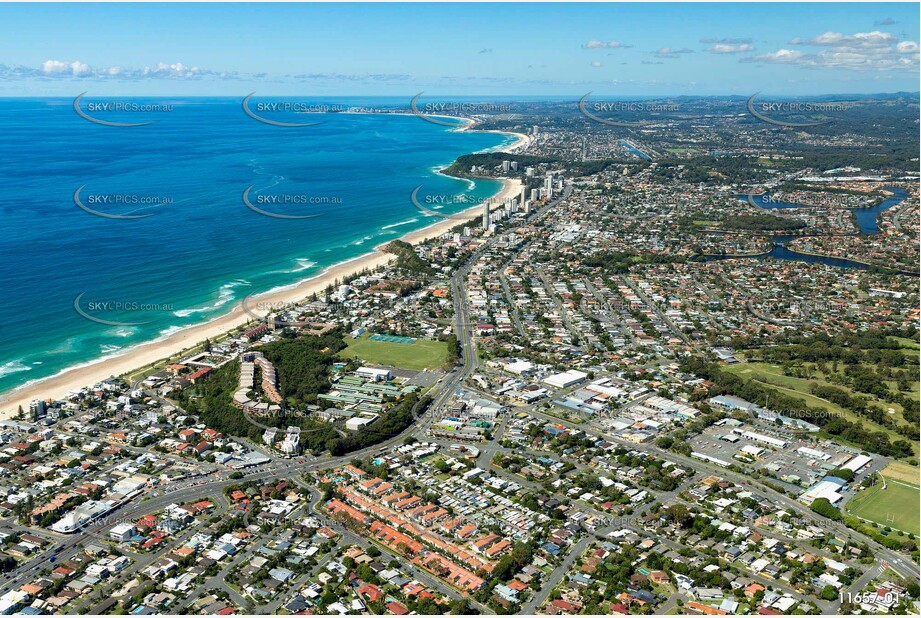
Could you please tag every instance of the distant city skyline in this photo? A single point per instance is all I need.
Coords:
(552, 50)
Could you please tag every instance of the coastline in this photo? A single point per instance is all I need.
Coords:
(468, 124)
(148, 353)
(522, 140)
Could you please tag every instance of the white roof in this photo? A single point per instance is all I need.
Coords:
(824, 489)
(857, 462)
(519, 367)
(374, 371)
(566, 378)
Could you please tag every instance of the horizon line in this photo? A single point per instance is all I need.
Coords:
(467, 96)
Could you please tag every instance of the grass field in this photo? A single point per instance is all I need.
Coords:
(772, 376)
(898, 471)
(914, 393)
(907, 343)
(896, 506)
(910, 348)
(422, 354)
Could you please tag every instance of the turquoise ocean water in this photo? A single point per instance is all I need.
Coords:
(201, 250)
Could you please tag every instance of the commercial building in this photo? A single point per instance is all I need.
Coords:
(373, 373)
(858, 463)
(565, 379)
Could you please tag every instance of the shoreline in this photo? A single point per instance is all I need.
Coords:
(767, 254)
(467, 124)
(148, 353)
(894, 269)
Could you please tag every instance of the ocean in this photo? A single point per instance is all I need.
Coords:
(88, 280)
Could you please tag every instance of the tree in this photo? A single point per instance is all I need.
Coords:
(462, 607)
(826, 509)
(680, 515)
(843, 473)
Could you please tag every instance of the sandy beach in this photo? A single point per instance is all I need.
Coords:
(521, 140)
(142, 355)
(469, 124)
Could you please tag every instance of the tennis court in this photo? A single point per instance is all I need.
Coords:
(392, 339)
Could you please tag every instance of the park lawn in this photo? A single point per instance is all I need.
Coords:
(907, 343)
(772, 376)
(910, 353)
(910, 347)
(896, 506)
(892, 385)
(422, 354)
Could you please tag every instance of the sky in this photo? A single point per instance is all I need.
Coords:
(476, 49)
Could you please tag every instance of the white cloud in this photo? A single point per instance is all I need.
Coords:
(177, 70)
(726, 41)
(59, 69)
(668, 52)
(859, 39)
(55, 67)
(596, 64)
(604, 45)
(781, 56)
(861, 51)
(80, 69)
(724, 48)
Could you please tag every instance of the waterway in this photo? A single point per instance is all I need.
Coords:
(630, 147)
(866, 221)
(866, 217)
